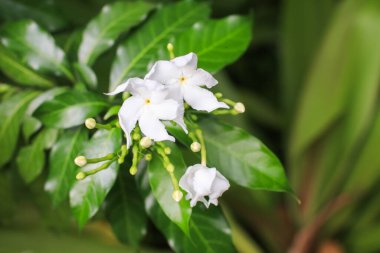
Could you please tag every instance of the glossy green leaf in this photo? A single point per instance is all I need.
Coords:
(31, 160)
(125, 211)
(62, 169)
(35, 47)
(243, 158)
(114, 19)
(209, 231)
(217, 42)
(11, 114)
(112, 112)
(30, 125)
(160, 181)
(15, 70)
(43, 97)
(70, 109)
(138, 51)
(87, 195)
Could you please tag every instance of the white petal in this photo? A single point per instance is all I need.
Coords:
(186, 181)
(201, 99)
(179, 118)
(126, 86)
(164, 72)
(144, 88)
(203, 180)
(202, 77)
(128, 115)
(219, 186)
(188, 61)
(166, 110)
(153, 128)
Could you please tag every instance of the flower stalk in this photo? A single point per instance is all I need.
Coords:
(83, 174)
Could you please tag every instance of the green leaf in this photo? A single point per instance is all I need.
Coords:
(43, 97)
(160, 181)
(11, 113)
(30, 125)
(87, 195)
(243, 158)
(114, 110)
(209, 231)
(62, 169)
(35, 47)
(18, 72)
(114, 19)
(70, 109)
(86, 75)
(125, 211)
(216, 42)
(31, 160)
(138, 51)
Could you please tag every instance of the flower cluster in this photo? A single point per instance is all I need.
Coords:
(168, 91)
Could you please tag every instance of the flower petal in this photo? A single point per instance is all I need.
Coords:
(152, 127)
(201, 99)
(128, 115)
(126, 86)
(179, 118)
(145, 88)
(164, 72)
(189, 61)
(202, 77)
(166, 110)
(203, 180)
(219, 186)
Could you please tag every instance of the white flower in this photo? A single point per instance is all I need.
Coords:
(185, 80)
(200, 182)
(148, 105)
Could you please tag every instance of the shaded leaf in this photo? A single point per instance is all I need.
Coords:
(114, 19)
(70, 109)
(11, 113)
(30, 125)
(138, 51)
(125, 211)
(62, 169)
(216, 42)
(87, 195)
(160, 181)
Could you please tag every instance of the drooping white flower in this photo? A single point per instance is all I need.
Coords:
(148, 105)
(184, 79)
(200, 182)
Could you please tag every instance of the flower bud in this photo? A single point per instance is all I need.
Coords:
(170, 47)
(136, 136)
(90, 123)
(177, 195)
(218, 95)
(170, 168)
(168, 150)
(80, 176)
(146, 142)
(80, 161)
(133, 170)
(148, 157)
(239, 107)
(195, 146)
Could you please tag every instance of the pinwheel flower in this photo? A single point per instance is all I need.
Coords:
(200, 182)
(184, 80)
(148, 105)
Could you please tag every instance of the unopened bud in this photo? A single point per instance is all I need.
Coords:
(90, 123)
(148, 157)
(136, 136)
(167, 150)
(195, 146)
(80, 176)
(170, 47)
(239, 107)
(80, 161)
(146, 142)
(177, 195)
(170, 167)
(218, 95)
(133, 170)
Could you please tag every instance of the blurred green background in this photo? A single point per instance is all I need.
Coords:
(310, 83)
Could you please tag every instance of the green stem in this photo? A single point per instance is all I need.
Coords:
(101, 159)
(100, 168)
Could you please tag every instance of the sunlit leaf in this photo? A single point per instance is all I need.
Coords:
(114, 19)
(217, 42)
(87, 195)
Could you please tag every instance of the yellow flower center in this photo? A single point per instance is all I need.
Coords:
(182, 79)
(147, 101)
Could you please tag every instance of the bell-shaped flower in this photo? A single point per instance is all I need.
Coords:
(200, 182)
(148, 105)
(184, 79)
